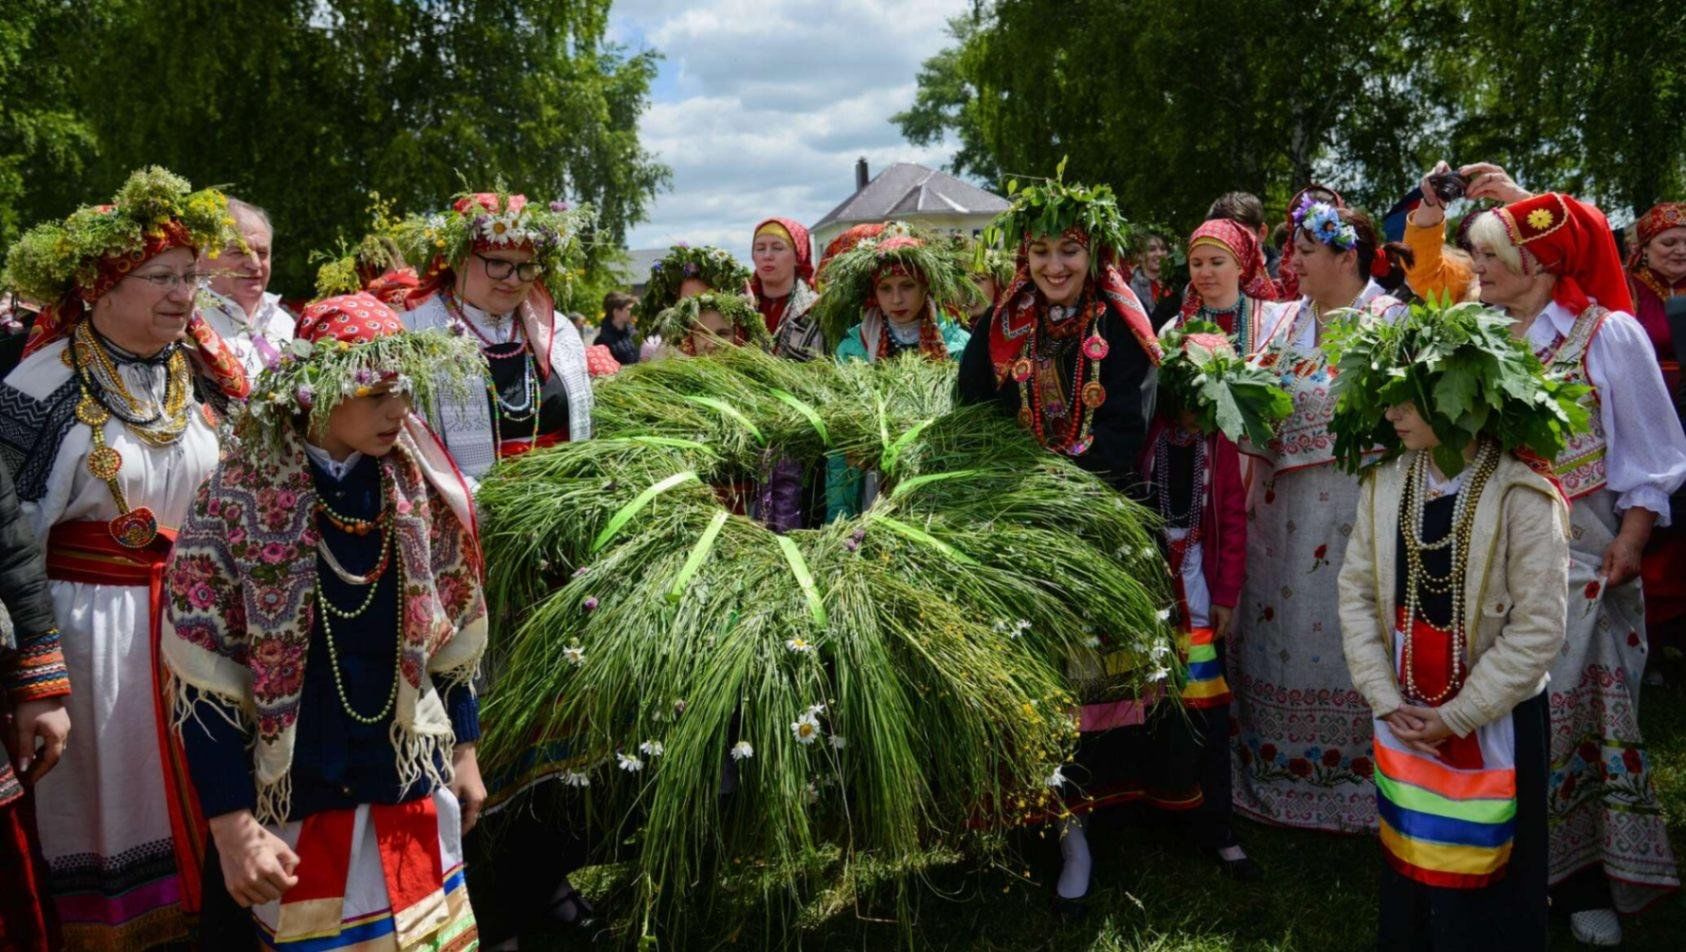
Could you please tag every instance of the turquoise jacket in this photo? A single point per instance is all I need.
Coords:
(852, 348)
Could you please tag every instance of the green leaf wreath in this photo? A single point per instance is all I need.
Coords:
(676, 323)
(1051, 207)
(339, 273)
(1466, 372)
(850, 275)
(54, 258)
(880, 686)
(712, 266)
(1203, 374)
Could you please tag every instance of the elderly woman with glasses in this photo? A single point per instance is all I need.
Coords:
(102, 428)
(498, 264)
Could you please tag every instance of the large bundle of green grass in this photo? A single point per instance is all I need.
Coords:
(879, 686)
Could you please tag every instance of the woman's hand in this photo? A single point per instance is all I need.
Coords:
(257, 865)
(45, 720)
(1487, 180)
(466, 784)
(1419, 727)
(1621, 561)
(1430, 212)
(1222, 617)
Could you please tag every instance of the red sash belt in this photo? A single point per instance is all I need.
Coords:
(85, 552)
(516, 447)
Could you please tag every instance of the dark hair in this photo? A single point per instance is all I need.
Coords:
(1399, 257)
(614, 301)
(1240, 207)
(1279, 236)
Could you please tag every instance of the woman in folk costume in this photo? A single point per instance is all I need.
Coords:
(36, 686)
(1551, 263)
(325, 623)
(686, 271)
(703, 323)
(1305, 733)
(783, 287)
(1656, 274)
(1227, 281)
(498, 265)
(106, 438)
(896, 293)
(1287, 281)
(1209, 397)
(1451, 606)
(1069, 351)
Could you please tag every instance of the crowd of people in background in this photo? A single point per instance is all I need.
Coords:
(242, 586)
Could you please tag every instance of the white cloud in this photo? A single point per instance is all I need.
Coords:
(763, 106)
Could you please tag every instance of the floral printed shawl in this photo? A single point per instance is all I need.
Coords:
(240, 590)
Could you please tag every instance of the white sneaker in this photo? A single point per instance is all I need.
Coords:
(1596, 927)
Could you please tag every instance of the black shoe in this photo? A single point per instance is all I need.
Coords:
(1070, 911)
(572, 910)
(1242, 870)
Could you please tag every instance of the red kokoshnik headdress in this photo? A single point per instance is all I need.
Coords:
(1570, 239)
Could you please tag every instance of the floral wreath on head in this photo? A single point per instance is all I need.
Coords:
(712, 266)
(343, 273)
(314, 377)
(1466, 373)
(852, 276)
(68, 265)
(675, 324)
(441, 242)
(1323, 222)
(1203, 374)
(1053, 207)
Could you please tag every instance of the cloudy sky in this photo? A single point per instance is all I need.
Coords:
(762, 106)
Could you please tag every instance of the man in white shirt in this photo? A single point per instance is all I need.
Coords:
(238, 304)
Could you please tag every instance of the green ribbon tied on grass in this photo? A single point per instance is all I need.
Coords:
(804, 578)
(921, 536)
(808, 413)
(624, 514)
(672, 442)
(715, 403)
(699, 554)
(893, 452)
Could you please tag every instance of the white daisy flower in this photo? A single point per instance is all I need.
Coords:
(652, 748)
(815, 710)
(1093, 641)
(806, 728)
(1164, 614)
(742, 750)
(574, 655)
(629, 764)
(1055, 779)
(837, 742)
(799, 645)
(575, 778)
(499, 229)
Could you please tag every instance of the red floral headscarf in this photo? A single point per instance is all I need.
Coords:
(350, 318)
(1243, 246)
(799, 242)
(847, 241)
(1570, 239)
(1023, 304)
(1659, 219)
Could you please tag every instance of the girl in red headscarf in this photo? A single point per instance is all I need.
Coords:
(783, 288)
(497, 266)
(896, 293)
(1551, 263)
(102, 428)
(1227, 281)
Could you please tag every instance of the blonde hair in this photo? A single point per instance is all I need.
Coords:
(1489, 230)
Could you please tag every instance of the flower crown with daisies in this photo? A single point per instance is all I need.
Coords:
(443, 240)
(1323, 222)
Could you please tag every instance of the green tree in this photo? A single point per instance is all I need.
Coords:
(41, 136)
(1175, 101)
(307, 106)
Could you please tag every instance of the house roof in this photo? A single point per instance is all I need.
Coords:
(907, 190)
(636, 269)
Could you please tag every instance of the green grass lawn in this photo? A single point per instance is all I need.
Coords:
(1155, 894)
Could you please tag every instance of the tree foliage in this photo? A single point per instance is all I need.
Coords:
(307, 106)
(1174, 103)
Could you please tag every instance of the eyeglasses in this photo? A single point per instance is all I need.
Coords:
(170, 280)
(498, 269)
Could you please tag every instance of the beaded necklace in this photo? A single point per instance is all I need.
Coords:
(1239, 317)
(1045, 407)
(527, 409)
(1419, 581)
(371, 581)
(1189, 518)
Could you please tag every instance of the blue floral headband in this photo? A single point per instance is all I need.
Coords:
(1324, 223)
